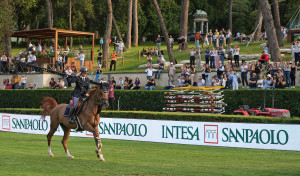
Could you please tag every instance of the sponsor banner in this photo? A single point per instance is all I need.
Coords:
(243, 135)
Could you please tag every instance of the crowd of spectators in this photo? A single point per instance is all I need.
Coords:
(17, 83)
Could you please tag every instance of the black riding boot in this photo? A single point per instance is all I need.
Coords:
(70, 119)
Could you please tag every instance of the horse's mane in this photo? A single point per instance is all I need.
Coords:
(92, 92)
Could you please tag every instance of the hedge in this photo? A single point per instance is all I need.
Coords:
(174, 116)
(143, 100)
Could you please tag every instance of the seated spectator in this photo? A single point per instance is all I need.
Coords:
(201, 82)
(137, 83)
(171, 85)
(52, 83)
(180, 81)
(260, 82)
(268, 82)
(214, 80)
(280, 72)
(187, 81)
(264, 58)
(126, 82)
(73, 68)
(253, 82)
(31, 86)
(130, 83)
(149, 71)
(5, 83)
(224, 80)
(161, 67)
(280, 83)
(149, 59)
(150, 84)
(61, 83)
(113, 82)
(120, 84)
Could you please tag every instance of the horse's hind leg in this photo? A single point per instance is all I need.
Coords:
(53, 128)
(64, 140)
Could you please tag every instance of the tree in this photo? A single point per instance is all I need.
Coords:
(6, 25)
(258, 24)
(270, 30)
(135, 24)
(184, 18)
(129, 24)
(164, 30)
(230, 15)
(117, 29)
(276, 17)
(107, 32)
(70, 23)
(50, 13)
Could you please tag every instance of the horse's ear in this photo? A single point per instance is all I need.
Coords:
(101, 85)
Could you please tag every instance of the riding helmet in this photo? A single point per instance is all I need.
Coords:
(83, 70)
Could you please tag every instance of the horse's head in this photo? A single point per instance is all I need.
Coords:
(101, 94)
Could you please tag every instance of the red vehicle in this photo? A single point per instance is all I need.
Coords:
(267, 112)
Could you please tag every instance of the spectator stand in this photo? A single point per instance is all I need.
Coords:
(294, 26)
(53, 33)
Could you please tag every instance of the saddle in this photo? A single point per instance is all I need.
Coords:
(77, 108)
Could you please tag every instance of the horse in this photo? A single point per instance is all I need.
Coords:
(88, 117)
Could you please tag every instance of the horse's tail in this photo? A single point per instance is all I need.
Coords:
(48, 104)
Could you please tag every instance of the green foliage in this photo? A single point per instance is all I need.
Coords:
(6, 22)
(144, 100)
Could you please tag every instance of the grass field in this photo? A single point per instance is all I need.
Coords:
(26, 154)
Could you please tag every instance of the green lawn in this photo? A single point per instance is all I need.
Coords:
(132, 57)
(25, 154)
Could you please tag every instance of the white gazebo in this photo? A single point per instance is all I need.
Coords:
(200, 17)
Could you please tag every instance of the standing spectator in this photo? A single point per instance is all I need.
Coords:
(137, 83)
(207, 75)
(120, 48)
(293, 74)
(68, 72)
(235, 82)
(280, 84)
(221, 53)
(266, 49)
(58, 63)
(23, 81)
(39, 49)
(293, 51)
(198, 58)
(252, 82)
(258, 68)
(268, 82)
(33, 59)
(150, 84)
(81, 58)
(115, 42)
(212, 55)
(274, 68)
(3, 64)
(158, 42)
(210, 35)
(17, 81)
(297, 52)
(287, 73)
(236, 53)
(228, 36)
(161, 67)
(111, 95)
(149, 72)
(207, 53)
(229, 77)
(244, 70)
(172, 71)
(192, 56)
(260, 82)
(220, 70)
(65, 60)
(221, 39)
(99, 58)
(192, 75)
(113, 61)
(29, 60)
(171, 41)
(215, 36)
(217, 57)
(197, 38)
(229, 53)
(52, 83)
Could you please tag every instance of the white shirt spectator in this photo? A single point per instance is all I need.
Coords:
(244, 68)
(59, 59)
(236, 51)
(33, 59)
(81, 57)
(149, 71)
(29, 58)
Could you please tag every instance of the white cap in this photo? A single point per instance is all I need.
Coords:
(171, 63)
(269, 75)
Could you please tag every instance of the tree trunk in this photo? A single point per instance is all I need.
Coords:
(50, 13)
(258, 23)
(230, 15)
(184, 17)
(7, 43)
(135, 24)
(70, 24)
(164, 30)
(276, 17)
(107, 32)
(117, 30)
(129, 24)
(270, 30)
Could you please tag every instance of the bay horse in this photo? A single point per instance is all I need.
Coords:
(88, 117)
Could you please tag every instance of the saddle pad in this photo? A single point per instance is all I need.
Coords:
(67, 111)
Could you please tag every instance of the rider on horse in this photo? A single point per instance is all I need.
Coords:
(80, 91)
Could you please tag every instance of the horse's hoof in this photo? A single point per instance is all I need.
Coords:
(51, 155)
(70, 156)
(102, 160)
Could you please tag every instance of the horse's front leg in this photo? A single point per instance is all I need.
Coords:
(97, 139)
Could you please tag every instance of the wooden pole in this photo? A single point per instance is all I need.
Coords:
(123, 59)
(28, 42)
(93, 50)
(66, 42)
(55, 47)
(139, 56)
